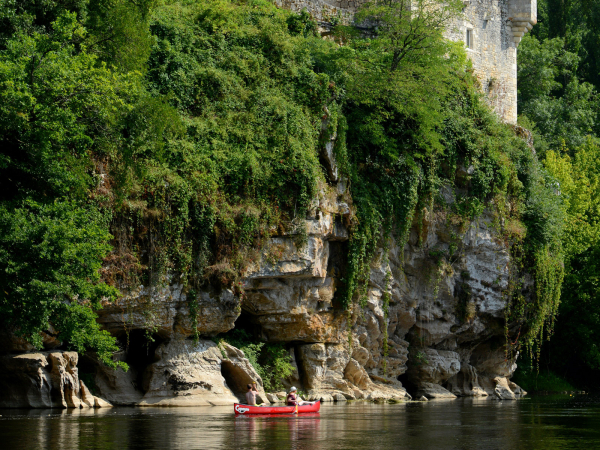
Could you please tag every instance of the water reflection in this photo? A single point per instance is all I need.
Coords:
(545, 422)
(300, 431)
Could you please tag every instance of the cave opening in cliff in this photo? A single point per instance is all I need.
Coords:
(87, 369)
(140, 347)
(236, 378)
(246, 323)
(411, 388)
(245, 331)
(337, 266)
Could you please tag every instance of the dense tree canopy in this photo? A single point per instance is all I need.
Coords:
(559, 78)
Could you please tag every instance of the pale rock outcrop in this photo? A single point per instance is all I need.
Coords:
(65, 377)
(516, 389)
(25, 382)
(324, 366)
(502, 389)
(197, 373)
(466, 383)
(117, 386)
(273, 398)
(291, 290)
(166, 311)
(430, 369)
(433, 391)
(330, 374)
(433, 366)
(298, 310)
(238, 373)
(357, 375)
(11, 343)
(101, 403)
(284, 259)
(87, 398)
(438, 298)
(495, 369)
(445, 292)
(43, 380)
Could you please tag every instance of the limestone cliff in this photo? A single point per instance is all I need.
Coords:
(444, 327)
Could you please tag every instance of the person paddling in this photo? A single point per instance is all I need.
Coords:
(294, 400)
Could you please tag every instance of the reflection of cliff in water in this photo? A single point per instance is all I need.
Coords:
(542, 422)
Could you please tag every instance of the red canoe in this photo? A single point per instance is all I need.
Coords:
(247, 409)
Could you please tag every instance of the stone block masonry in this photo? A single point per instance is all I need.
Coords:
(490, 29)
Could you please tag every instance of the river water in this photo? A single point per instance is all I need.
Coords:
(544, 422)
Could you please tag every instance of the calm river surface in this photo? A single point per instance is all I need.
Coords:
(547, 422)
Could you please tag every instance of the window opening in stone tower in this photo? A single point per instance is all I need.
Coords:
(470, 43)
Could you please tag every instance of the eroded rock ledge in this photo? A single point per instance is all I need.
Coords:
(44, 380)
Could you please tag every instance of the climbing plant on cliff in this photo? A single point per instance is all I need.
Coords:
(395, 90)
(223, 152)
(413, 118)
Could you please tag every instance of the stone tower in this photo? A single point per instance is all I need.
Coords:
(490, 29)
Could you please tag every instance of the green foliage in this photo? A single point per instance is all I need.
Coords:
(250, 104)
(549, 275)
(392, 115)
(118, 32)
(535, 381)
(578, 179)
(50, 271)
(59, 105)
(302, 24)
(558, 84)
(563, 108)
(576, 347)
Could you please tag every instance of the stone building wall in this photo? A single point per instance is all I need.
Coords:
(492, 51)
(496, 25)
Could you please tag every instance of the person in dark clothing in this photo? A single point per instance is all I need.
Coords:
(293, 399)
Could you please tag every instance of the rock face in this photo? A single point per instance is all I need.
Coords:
(198, 373)
(44, 380)
(444, 327)
(433, 319)
(166, 310)
(184, 373)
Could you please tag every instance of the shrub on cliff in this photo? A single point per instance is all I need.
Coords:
(59, 106)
